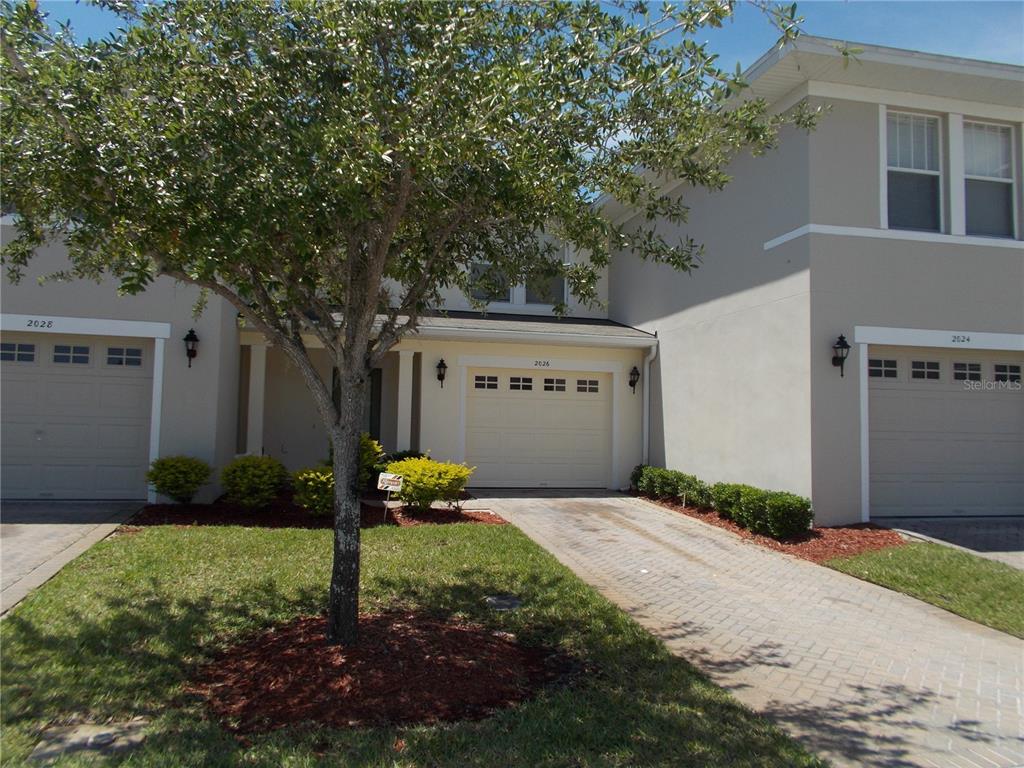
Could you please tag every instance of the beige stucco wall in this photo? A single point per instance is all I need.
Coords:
(731, 385)
(198, 415)
(440, 406)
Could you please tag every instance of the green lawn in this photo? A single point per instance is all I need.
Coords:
(116, 632)
(981, 590)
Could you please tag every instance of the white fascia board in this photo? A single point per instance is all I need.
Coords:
(85, 326)
(892, 234)
(535, 337)
(923, 337)
(908, 100)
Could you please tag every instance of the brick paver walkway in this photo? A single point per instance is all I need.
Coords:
(996, 538)
(863, 675)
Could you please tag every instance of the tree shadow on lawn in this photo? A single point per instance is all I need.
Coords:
(129, 654)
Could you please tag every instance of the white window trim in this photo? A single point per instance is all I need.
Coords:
(891, 234)
(941, 173)
(1013, 180)
(518, 303)
(91, 326)
(866, 335)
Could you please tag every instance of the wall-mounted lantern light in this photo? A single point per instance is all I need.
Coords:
(191, 345)
(840, 350)
(634, 377)
(442, 369)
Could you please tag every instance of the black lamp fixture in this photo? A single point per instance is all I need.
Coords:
(442, 369)
(840, 351)
(191, 345)
(634, 377)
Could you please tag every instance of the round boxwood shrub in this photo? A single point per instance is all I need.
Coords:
(178, 477)
(253, 481)
(425, 481)
(314, 490)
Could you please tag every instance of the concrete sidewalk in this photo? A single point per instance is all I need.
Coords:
(38, 538)
(863, 675)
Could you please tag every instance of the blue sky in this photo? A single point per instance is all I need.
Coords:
(977, 29)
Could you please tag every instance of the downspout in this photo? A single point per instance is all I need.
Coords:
(647, 400)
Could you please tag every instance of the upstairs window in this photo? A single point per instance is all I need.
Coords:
(545, 290)
(914, 198)
(488, 285)
(988, 186)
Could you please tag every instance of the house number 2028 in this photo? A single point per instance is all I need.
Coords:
(541, 363)
(39, 323)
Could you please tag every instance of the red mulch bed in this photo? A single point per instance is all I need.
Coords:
(817, 545)
(284, 514)
(406, 668)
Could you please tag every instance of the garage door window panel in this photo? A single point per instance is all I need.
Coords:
(520, 383)
(17, 353)
(928, 370)
(124, 356)
(1006, 372)
(586, 385)
(485, 382)
(67, 353)
(966, 371)
(554, 385)
(882, 369)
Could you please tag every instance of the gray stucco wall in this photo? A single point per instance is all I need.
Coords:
(731, 386)
(198, 416)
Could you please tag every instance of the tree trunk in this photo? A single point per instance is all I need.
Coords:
(343, 604)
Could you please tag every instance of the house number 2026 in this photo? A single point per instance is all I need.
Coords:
(541, 363)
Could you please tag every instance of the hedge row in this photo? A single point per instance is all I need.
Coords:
(773, 513)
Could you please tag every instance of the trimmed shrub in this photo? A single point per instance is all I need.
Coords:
(391, 458)
(425, 481)
(635, 475)
(178, 477)
(254, 481)
(661, 483)
(370, 454)
(725, 497)
(314, 491)
(751, 510)
(695, 492)
(787, 514)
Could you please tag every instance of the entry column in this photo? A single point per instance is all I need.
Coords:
(403, 414)
(257, 394)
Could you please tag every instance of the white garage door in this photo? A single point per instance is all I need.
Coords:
(527, 429)
(75, 416)
(947, 432)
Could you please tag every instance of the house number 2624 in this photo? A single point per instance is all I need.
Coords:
(960, 339)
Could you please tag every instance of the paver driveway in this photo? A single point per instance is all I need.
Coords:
(865, 676)
(38, 538)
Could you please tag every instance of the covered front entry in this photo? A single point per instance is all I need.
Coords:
(538, 428)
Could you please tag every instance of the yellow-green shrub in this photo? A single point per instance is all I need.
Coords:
(254, 481)
(314, 490)
(425, 481)
(178, 477)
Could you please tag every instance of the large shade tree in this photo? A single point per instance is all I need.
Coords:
(330, 168)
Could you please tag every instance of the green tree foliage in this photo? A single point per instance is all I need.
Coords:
(330, 167)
